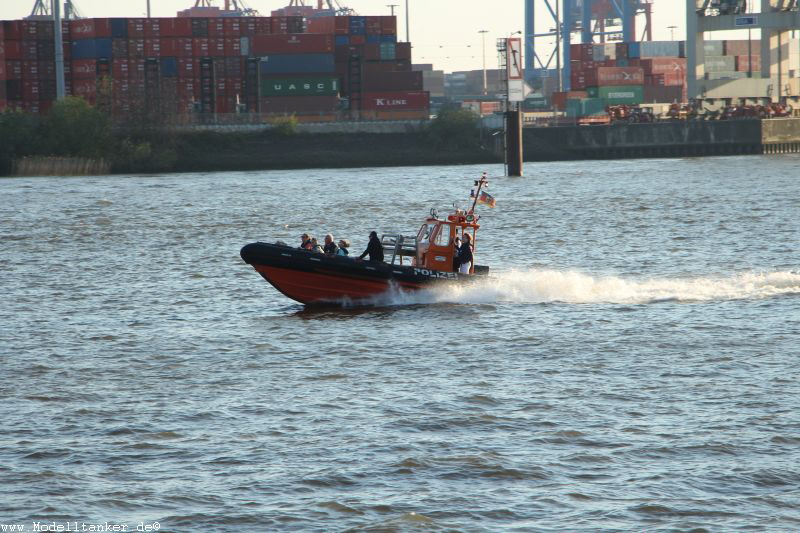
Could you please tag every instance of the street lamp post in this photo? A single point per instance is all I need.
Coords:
(408, 33)
(671, 32)
(483, 39)
(391, 7)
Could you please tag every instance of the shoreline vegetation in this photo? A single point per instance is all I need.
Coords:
(75, 131)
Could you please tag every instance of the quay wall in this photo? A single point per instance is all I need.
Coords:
(663, 139)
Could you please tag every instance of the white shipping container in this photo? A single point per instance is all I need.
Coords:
(660, 49)
(714, 48)
(604, 52)
(720, 64)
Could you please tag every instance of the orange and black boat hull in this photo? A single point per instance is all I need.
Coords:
(316, 279)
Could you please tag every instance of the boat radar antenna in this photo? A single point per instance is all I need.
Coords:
(481, 183)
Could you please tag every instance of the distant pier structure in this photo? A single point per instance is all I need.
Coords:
(770, 25)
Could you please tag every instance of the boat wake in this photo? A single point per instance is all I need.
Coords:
(543, 286)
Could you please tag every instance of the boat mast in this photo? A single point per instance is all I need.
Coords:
(480, 183)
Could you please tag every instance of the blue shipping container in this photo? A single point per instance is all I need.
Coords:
(342, 40)
(358, 25)
(119, 28)
(388, 51)
(297, 63)
(388, 38)
(373, 39)
(169, 67)
(91, 48)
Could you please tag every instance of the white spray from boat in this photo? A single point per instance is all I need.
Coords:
(543, 286)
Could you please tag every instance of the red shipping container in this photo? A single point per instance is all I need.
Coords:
(387, 101)
(358, 39)
(120, 69)
(341, 25)
(30, 50)
(90, 28)
(403, 51)
(87, 89)
(747, 63)
(233, 47)
(200, 47)
(152, 48)
(13, 70)
(188, 89)
(12, 30)
(614, 76)
(13, 50)
(373, 25)
(324, 25)
(233, 26)
(663, 65)
(216, 47)
(136, 27)
(136, 69)
(372, 52)
(216, 27)
(389, 25)
(152, 28)
(743, 47)
(184, 47)
(233, 87)
(306, 43)
(187, 67)
(169, 47)
(182, 27)
(30, 90)
(581, 52)
(84, 69)
(135, 48)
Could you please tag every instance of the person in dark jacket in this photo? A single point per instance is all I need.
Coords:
(465, 255)
(330, 247)
(374, 248)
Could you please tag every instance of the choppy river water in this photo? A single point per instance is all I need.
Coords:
(631, 364)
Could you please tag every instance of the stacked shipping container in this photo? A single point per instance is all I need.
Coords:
(215, 64)
(629, 73)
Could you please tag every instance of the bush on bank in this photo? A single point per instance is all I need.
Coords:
(143, 143)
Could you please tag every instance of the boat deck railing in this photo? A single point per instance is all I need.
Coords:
(399, 246)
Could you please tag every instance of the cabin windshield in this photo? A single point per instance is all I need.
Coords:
(423, 234)
(443, 235)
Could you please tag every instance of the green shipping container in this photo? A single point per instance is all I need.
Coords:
(306, 86)
(388, 51)
(622, 95)
(585, 107)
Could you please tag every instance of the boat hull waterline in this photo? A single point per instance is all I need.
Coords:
(316, 279)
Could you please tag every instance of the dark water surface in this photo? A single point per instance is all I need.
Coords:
(631, 365)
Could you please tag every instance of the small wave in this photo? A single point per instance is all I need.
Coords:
(550, 286)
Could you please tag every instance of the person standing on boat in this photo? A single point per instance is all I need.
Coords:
(456, 246)
(330, 247)
(465, 255)
(374, 248)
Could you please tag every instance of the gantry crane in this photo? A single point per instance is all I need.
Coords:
(42, 9)
(593, 20)
(237, 6)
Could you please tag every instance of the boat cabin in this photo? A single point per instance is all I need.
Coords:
(433, 247)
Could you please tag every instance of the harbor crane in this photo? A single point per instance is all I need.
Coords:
(598, 21)
(42, 10)
(237, 6)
